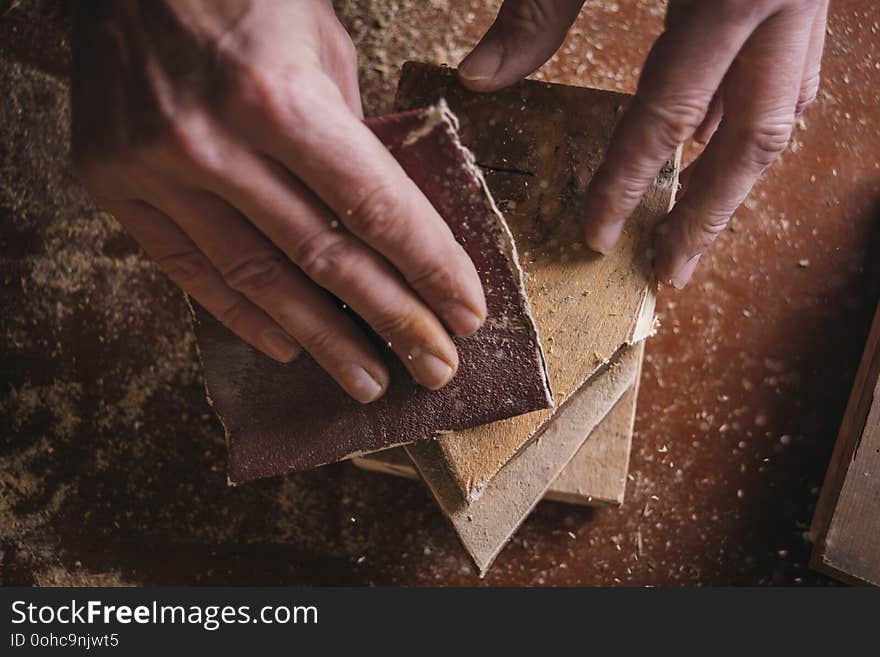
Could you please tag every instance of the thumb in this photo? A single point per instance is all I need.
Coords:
(525, 34)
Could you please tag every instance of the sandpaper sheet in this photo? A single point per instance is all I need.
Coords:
(595, 476)
(538, 145)
(284, 417)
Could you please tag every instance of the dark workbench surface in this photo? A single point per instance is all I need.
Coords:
(112, 465)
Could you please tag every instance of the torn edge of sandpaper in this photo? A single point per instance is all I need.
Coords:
(284, 417)
(486, 525)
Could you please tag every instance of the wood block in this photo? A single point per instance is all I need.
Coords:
(846, 524)
(486, 524)
(284, 417)
(595, 476)
(538, 145)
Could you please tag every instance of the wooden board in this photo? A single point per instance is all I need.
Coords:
(539, 145)
(846, 524)
(486, 524)
(595, 476)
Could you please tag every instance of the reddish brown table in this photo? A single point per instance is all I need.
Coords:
(112, 467)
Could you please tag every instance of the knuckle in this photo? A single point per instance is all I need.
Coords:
(740, 12)
(436, 279)
(615, 196)
(374, 215)
(187, 140)
(256, 277)
(676, 117)
(530, 16)
(706, 231)
(394, 322)
(319, 340)
(765, 141)
(258, 91)
(809, 91)
(324, 256)
(232, 316)
(185, 269)
(266, 93)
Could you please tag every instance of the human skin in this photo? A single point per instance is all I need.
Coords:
(227, 137)
(732, 74)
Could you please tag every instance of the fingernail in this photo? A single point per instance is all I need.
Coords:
(280, 345)
(360, 384)
(462, 320)
(685, 272)
(601, 239)
(429, 370)
(483, 63)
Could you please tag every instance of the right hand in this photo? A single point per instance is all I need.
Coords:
(227, 137)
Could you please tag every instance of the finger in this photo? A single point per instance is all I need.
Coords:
(191, 270)
(525, 34)
(813, 64)
(297, 223)
(761, 90)
(350, 170)
(304, 229)
(674, 94)
(253, 267)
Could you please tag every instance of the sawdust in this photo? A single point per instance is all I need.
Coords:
(152, 506)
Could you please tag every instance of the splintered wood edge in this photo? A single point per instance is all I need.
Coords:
(645, 324)
(507, 512)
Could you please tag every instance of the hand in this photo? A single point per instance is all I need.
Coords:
(733, 73)
(227, 137)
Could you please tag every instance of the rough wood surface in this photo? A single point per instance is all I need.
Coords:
(287, 417)
(846, 525)
(485, 525)
(595, 476)
(539, 145)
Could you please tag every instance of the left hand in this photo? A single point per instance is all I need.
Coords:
(733, 73)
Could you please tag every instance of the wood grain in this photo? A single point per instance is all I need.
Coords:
(539, 144)
(486, 524)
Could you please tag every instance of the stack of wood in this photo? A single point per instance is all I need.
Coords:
(492, 444)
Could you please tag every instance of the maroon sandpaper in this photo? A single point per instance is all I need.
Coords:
(285, 417)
